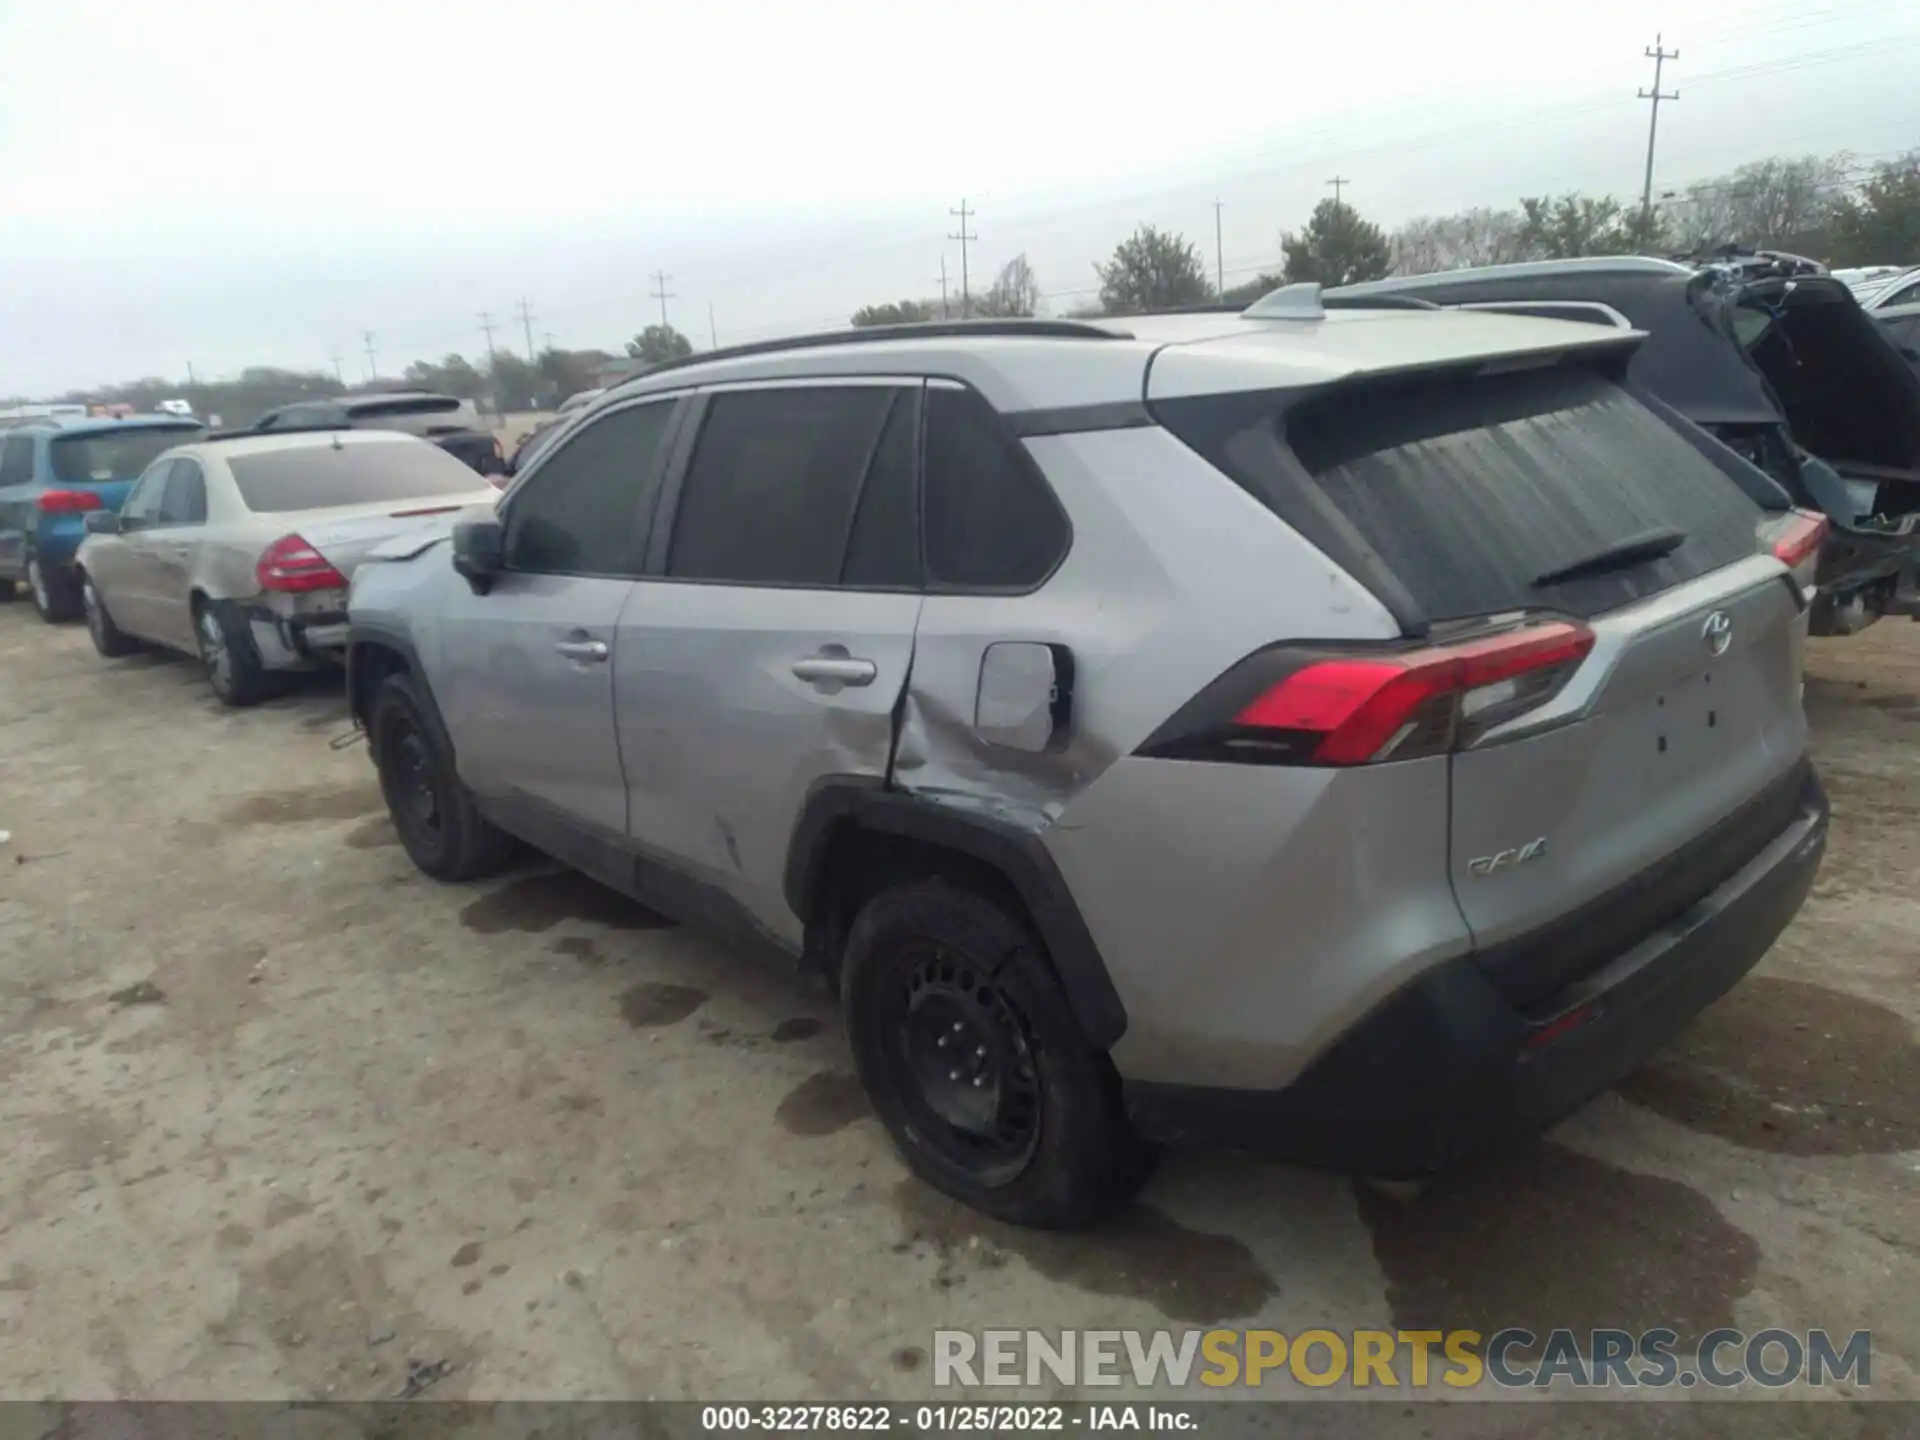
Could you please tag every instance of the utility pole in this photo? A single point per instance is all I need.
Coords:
(662, 294)
(1336, 182)
(486, 329)
(966, 294)
(373, 369)
(190, 379)
(334, 356)
(1219, 255)
(526, 319)
(713, 331)
(945, 314)
(1659, 55)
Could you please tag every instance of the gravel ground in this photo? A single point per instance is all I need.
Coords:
(282, 1116)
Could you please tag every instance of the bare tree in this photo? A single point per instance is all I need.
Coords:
(1479, 236)
(1779, 203)
(1015, 292)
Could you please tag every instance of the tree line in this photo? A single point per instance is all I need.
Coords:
(1829, 208)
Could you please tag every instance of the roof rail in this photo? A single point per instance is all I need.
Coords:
(1031, 329)
(1338, 301)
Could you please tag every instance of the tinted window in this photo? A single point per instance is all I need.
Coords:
(586, 509)
(1905, 295)
(16, 461)
(118, 454)
(991, 522)
(770, 495)
(1470, 490)
(431, 405)
(320, 475)
(185, 499)
(884, 548)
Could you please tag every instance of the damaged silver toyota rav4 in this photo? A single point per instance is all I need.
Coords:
(1356, 733)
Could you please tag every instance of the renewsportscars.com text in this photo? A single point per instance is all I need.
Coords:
(1512, 1358)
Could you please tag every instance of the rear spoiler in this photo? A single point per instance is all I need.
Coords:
(1586, 312)
(249, 433)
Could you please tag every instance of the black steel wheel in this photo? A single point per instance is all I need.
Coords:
(975, 1064)
(434, 814)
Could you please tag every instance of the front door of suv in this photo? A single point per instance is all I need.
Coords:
(526, 678)
(770, 645)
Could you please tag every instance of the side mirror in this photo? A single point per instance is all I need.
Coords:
(479, 552)
(102, 522)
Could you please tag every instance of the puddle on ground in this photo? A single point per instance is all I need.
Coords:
(1550, 1238)
(1190, 1276)
(141, 992)
(823, 1103)
(372, 834)
(315, 802)
(650, 1003)
(800, 1027)
(1792, 1068)
(534, 903)
(467, 1254)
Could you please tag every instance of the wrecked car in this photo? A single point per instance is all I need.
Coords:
(1784, 368)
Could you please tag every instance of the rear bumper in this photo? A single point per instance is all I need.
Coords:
(291, 642)
(1448, 1068)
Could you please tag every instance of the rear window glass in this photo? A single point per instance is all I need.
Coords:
(114, 454)
(432, 405)
(1473, 489)
(315, 477)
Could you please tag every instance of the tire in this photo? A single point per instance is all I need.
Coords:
(108, 638)
(435, 815)
(55, 593)
(9, 592)
(1027, 1124)
(234, 669)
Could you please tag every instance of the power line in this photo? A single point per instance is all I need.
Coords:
(373, 369)
(943, 289)
(1659, 56)
(334, 356)
(526, 319)
(966, 297)
(662, 294)
(1336, 182)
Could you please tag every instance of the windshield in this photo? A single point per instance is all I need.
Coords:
(320, 477)
(106, 455)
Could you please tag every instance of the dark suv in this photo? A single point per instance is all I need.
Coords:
(450, 423)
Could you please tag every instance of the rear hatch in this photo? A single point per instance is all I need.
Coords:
(1638, 759)
(449, 423)
(106, 462)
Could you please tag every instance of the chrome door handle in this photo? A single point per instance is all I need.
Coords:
(822, 669)
(593, 651)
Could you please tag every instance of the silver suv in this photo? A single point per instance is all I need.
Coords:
(1357, 734)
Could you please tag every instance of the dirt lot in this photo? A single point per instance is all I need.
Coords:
(281, 1115)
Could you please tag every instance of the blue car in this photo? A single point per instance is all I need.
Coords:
(53, 470)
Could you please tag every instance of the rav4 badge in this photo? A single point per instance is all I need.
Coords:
(1507, 859)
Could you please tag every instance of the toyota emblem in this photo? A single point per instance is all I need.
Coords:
(1717, 633)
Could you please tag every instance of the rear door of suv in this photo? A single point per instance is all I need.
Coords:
(771, 642)
(1598, 797)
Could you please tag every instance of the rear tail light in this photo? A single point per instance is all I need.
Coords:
(67, 502)
(1796, 537)
(1291, 706)
(290, 566)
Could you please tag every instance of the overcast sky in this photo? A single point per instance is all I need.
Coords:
(227, 184)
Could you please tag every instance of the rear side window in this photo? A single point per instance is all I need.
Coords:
(1474, 492)
(991, 521)
(185, 499)
(317, 477)
(585, 511)
(771, 493)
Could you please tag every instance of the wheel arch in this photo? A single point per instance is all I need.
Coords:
(856, 837)
(372, 656)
